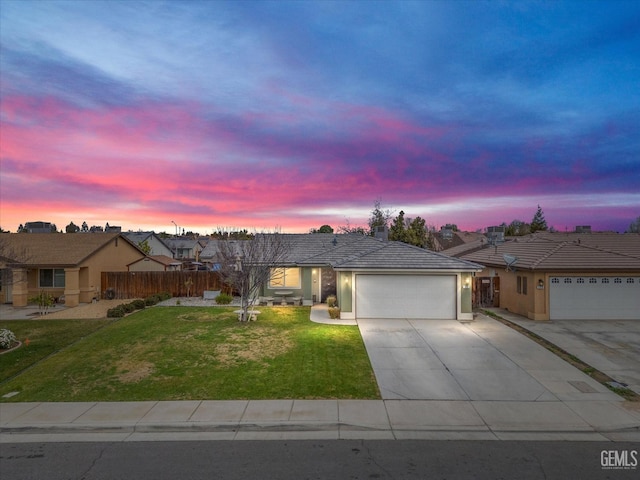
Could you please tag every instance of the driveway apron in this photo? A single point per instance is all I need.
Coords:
(482, 360)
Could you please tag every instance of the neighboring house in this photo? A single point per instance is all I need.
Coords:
(183, 248)
(553, 276)
(373, 278)
(37, 227)
(155, 263)
(68, 265)
(156, 244)
(211, 256)
(447, 238)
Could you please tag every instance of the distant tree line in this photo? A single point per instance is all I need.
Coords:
(413, 231)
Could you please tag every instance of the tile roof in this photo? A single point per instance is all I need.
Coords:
(212, 248)
(551, 253)
(54, 249)
(457, 239)
(626, 243)
(365, 252)
(397, 255)
(460, 250)
(138, 237)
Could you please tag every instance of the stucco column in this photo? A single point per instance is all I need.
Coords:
(20, 287)
(71, 286)
(540, 297)
(466, 300)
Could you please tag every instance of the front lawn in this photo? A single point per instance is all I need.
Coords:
(180, 353)
(41, 338)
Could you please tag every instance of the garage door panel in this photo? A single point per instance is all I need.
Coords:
(406, 296)
(594, 298)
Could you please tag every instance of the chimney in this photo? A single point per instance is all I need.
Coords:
(382, 233)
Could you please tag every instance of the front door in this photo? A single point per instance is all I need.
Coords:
(327, 283)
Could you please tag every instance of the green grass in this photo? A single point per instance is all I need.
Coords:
(42, 338)
(180, 353)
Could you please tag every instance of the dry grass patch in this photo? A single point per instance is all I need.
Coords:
(133, 371)
(254, 344)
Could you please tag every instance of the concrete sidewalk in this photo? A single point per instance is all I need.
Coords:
(317, 419)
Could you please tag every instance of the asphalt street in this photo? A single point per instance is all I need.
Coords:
(311, 459)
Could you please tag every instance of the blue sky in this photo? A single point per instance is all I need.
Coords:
(299, 114)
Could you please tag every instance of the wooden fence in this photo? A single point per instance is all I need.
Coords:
(124, 285)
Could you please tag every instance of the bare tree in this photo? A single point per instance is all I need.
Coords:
(247, 265)
(13, 254)
(349, 229)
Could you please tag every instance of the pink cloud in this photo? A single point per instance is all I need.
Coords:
(155, 160)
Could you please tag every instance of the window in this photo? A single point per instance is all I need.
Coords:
(52, 277)
(522, 285)
(605, 280)
(580, 280)
(617, 280)
(593, 280)
(285, 278)
(567, 280)
(630, 280)
(555, 280)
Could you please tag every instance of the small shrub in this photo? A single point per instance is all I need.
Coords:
(224, 299)
(163, 296)
(334, 312)
(138, 304)
(116, 312)
(150, 301)
(129, 307)
(7, 338)
(331, 301)
(178, 302)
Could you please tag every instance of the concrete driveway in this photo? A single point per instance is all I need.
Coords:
(611, 346)
(482, 360)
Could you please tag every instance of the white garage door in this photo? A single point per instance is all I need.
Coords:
(594, 298)
(406, 296)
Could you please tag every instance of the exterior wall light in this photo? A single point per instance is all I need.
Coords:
(540, 283)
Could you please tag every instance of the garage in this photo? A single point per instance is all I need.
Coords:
(406, 296)
(594, 298)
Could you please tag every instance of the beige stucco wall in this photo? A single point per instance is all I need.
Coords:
(113, 257)
(535, 304)
(530, 305)
(82, 281)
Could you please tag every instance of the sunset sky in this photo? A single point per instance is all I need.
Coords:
(297, 114)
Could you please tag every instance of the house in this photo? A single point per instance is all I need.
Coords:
(183, 248)
(373, 278)
(554, 276)
(448, 238)
(155, 263)
(38, 227)
(211, 256)
(68, 265)
(156, 244)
